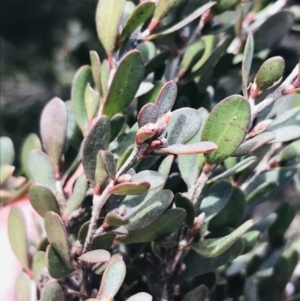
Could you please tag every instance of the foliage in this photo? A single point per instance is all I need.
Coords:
(147, 180)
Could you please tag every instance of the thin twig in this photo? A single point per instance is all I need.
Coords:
(197, 188)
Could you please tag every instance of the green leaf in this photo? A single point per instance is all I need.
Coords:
(130, 188)
(227, 126)
(154, 178)
(92, 102)
(140, 297)
(242, 165)
(117, 123)
(43, 200)
(254, 143)
(7, 154)
(58, 238)
(166, 224)
(163, 7)
(137, 18)
(96, 71)
(38, 264)
(183, 202)
(198, 265)
(108, 12)
(22, 289)
(262, 190)
(271, 30)
(97, 139)
(247, 62)
(74, 134)
(216, 199)
(166, 97)
(105, 73)
(269, 73)
(232, 213)
(289, 153)
(41, 169)
(115, 220)
(103, 241)
(199, 293)
(183, 126)
(78, 195)
(285, 215)
(112, 279)
(53, 129)
(196, 14)
(6, 171)
(286, 126)
(146, 212)
(157, 61)
(32, 142)
(223, 5)
(52, 292)
(250, 239)
(82, 77)
(215, 247)
(189, 149)
(109, 163)
(95, 256)
(17, 235)
(125, 83)
(148, 114)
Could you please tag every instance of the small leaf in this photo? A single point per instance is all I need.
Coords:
(117, 123)
(22, 289)
(130, 188)
(137, 18)
(52, 292)
(247, 62)
(140, 297)
(78, 195)
(96, 70)
(103, 241)
(270, 29)
(166, 224)
(198, 265)
(97, 139)
(6, 171)
(108, 12)
(148, 114)
(183, 126)
(7, 154)
(196, 14)
(216, 199)
(269, 73)
(166, 97)
(95, 256)
(154, 178)
(146, 212)
(199, 293)
(112, 279)
(109, 163)
(115, 220)
(254, 143)
(43, 200)
(38, 264)
(32, 142)
(92, 101)
(82, 77)
(227, 126)
(260, 191)
(215, 247)
(234, 170)
(185, 203)
(188, 149)
(232, 213)
(163, 8)
(125, 83)
(17, 235)
(290, 152)
(100, 171)
(74, 134)
(41, 169)
(286, 126)
(105, 73)
(53, 128)
(58, 238)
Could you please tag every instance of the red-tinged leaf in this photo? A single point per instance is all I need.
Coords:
(195, 148)
(148, 114)
(130, 188)
(95, 256)
(166, 97)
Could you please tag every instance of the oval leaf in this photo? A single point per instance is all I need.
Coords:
(96, 70)
(97, 139)
(52, 292)
(247, 62)
(53, 128)
(17, 235)
(140, 297)
(95, 256)
(148, 114)
(227, 126)
(188, 149)
(166, 97)
(125, 83)
(112, 279)
(22, 289)
(154, 178)
(130, 188)
(43, 200)
(7, 154)
(185, 203)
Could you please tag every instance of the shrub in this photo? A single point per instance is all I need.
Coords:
(146, 181)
